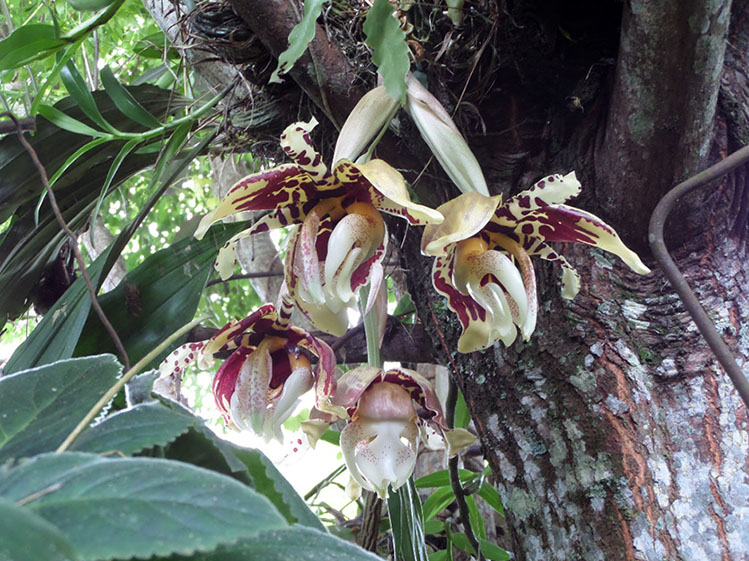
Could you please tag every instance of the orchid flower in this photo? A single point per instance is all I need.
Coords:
(483, 251)
(258, 385)
(381, 441)
(342, 238)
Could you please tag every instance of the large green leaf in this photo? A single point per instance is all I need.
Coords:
(299, 38)
(203, 448)
(27, 43)
(26, 536)
(55, 337)
(138, 507)
(42, 405)
(389, 49)
(157, 297)
(291, 544)
(132, 430)
(28, 246)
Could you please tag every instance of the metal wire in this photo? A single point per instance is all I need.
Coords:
(658, 245)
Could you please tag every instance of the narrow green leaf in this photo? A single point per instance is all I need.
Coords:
(137, 507)
(441, 478)
(437, 502)
(290, 544)
(299, 38)
(389, 49)
(78, 90)
(40, 406)
(474, 518)
(407, 523)
(440, 555)
(89, 5)
(73, 158)
(113, 169)
(125, 101)
(493, 552)
(434, 527)
(26, 536)
(132, 430)
(462, 414)
(461, 542)
(491, 496)
(68, 123)
(27, 44)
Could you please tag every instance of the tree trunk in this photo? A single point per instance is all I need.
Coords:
(613, 433)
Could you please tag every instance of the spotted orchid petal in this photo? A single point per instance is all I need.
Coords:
(390, 194)
(563, 223)
(443, 138)
(280, 186)
(296, 143)
(370, 114)
(353, 384)
(465, 216)
(229, 336)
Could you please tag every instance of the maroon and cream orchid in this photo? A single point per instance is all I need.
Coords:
(483, 251)
(258, 385)
(342, 239)
(381, 440)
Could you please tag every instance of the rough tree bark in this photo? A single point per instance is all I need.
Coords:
(613, 433)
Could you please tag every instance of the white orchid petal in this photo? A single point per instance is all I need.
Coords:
(298, 383)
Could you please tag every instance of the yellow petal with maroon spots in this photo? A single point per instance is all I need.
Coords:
(228, 336)
(391, 194)
(278, 187)
(465, 216)
(296, 143)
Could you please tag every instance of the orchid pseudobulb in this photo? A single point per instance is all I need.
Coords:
(483, 251)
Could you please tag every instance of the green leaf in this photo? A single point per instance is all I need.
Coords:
(27, 44)
(132, 430)
(389, 49)
(491, 496)
(157, 297)
(26, 536)
(299, 38)
(437, 502)
(78, 90)
(434, 527)
(55, 337)
(137, 507)
(407, 523)
(266, 479)
(203, 448)
(441, 478)
(461, 542)
(440, 555)
(89, 5)
(125, 101)
(68, 123)
(462, 414)
(42, 405)
(492, 551)
(290, 544)
(474, 518)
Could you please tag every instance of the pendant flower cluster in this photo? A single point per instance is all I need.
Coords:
(259, 384)
(342, 239)
(483, 251)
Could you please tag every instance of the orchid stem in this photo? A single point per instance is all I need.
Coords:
(121, 383)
